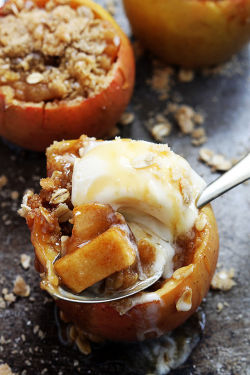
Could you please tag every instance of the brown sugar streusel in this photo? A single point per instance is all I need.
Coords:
(55, 52)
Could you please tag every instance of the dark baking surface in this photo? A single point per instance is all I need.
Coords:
(224, 348)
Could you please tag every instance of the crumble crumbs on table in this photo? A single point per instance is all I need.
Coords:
(217, 162)
(20, 287)
(5, 370)
(25, 261)
(223, 280)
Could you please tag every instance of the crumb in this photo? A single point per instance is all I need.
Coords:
(220, 307)
(171, 108)
(186, 75)
(5, 370)
(198, 118)
(25, 261)
(127, 118)
(20, 287)
(199, 137)
(14, 195)
(23, 337)
(159, 131)
(36, 329)
(217, 162)
(161, 80)
(9, 297)
(184, 117)
(3, 181)
(2, 304)
(223, 280)
(220, 163)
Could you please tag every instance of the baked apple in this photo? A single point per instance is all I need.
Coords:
(193, 33)
(111, 213)
(66, 68)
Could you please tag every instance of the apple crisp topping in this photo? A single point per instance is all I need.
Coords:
(54, 53)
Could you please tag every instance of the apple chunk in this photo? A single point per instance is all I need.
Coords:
(110, 252)
(90, 220)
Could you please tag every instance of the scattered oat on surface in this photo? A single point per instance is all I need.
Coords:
(185, 119)
(220, 163)
(25, 261)
(217, 162)
(3, 181)
(2, 304)
(9, 297)
(20, 287)
(14, 195)
(220, 306)
(199, 137)
(159, 131)
(161, 79)
(127, 118)
(198, 118)
(5, 370)
(223, 280)
(186, 75)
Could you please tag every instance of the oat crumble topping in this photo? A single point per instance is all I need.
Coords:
(54, 53)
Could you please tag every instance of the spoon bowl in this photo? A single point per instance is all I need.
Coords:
(90, 296)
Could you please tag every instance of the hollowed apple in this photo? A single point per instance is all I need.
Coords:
(171, 300)
(34, 124)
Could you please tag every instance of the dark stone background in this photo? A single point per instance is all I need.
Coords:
(224, 349)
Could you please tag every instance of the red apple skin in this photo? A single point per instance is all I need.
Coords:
(35, 126)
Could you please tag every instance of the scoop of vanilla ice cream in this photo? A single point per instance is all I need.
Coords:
(149, 184)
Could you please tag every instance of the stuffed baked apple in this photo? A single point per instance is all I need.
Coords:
(191, 33)
(66, 68)
(111, 213)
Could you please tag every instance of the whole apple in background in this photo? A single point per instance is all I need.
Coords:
(36, 125)
(190, 33)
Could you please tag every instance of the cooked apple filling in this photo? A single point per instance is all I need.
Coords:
(54, 53)
(103, 232)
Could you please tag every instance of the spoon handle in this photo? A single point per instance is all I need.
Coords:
(239, 173)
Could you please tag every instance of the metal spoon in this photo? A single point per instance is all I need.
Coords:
(239, 173)
(235, 176)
